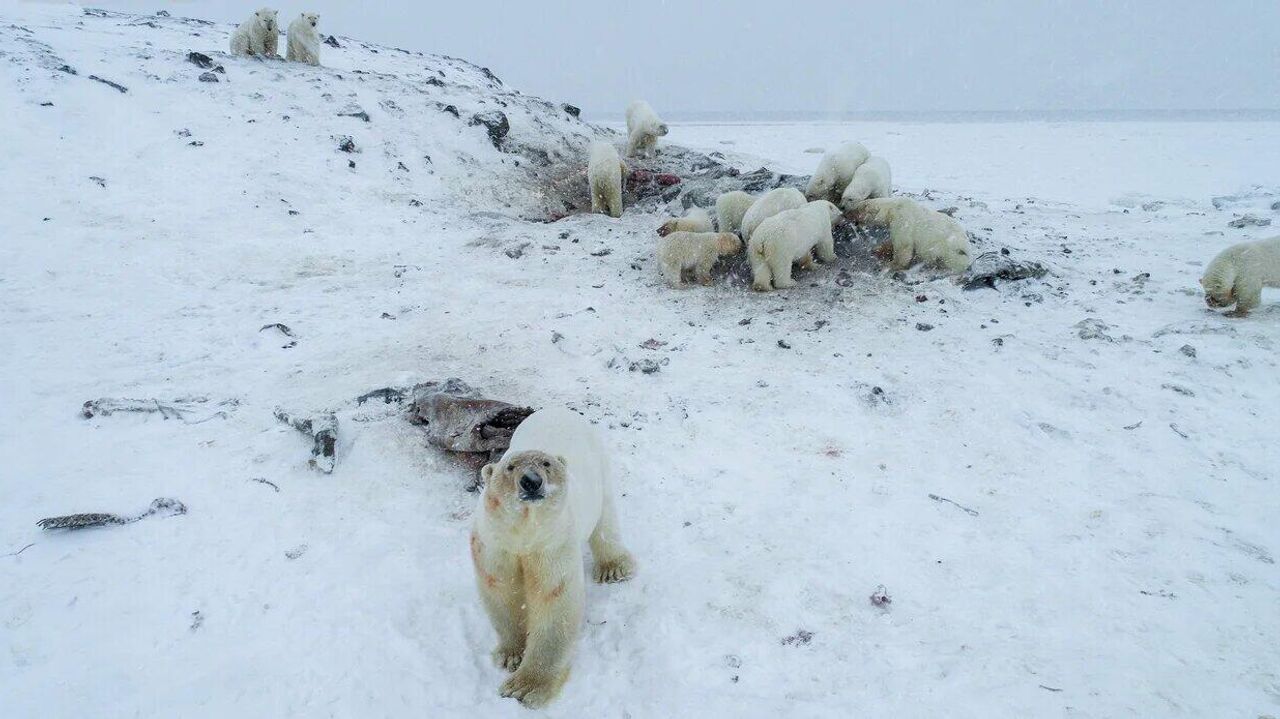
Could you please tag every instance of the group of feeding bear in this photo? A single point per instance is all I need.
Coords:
(784, 228)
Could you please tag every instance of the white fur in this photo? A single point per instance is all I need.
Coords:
(1237, 275)
(643, 129)
(730, 208)
(872, 179)
(834, 172)
(768, 205)
(697, 251)
(695, 220)
(604, 179)
(789, 237)
(303, 42)
(918, 233)
(259, 35)
(527, 551)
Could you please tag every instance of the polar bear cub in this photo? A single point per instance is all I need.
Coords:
(730, 208)
(549, 493)
(872, 179)
(1238, 274)
(768, 205)
(695, 220)
(604, 179)
(643, 129)
(917, 233)
(835, 171)
(303, 42)
(259, 35)
(697, 251)
(787, 238)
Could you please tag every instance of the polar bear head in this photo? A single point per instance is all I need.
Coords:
(1219, 292)
(526, 489)
(266, 19)
(956, 257)
(878, 212)
(728, 243)
(833, 213)
(310, 18)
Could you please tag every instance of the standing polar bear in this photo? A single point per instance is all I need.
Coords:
(303, 42)
(768, 205)
(697, 251)
(643, 129)
(917, 233)
(730, 209)
(835, 171)
(549, 493)
(604, 179)
(788, 238)
(871, 180)
(1238, 274)
(259, 35)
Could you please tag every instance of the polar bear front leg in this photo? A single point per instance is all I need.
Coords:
(827, 248)
(555, 601)
(703, 270)
(1248, 294)
(805, 263)
(903, 250)
(672, 272)
(612, 561)
(498, 576)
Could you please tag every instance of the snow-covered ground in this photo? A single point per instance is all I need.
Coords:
(1067, 526)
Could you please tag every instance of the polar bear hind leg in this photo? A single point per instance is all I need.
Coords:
(827, 248)
(761, 275)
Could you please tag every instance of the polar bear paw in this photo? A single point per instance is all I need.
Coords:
(532, 690)
(508, 658)
(615, 569)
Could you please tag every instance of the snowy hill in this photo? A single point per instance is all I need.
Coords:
(1066, 485)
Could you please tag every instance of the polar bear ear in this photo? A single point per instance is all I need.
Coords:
(563, 462)
(486, 472)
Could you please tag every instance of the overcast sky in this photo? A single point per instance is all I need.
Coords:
(745, 56)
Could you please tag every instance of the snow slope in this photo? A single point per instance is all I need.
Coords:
(1118, 558)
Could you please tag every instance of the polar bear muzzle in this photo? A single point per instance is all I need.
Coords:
(531, 487)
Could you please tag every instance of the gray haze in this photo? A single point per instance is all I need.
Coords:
(753, 56)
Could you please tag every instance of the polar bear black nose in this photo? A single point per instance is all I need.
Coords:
(531, 486)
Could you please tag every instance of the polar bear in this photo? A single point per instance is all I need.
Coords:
(917, 233)
(549, 493)
(871, 180)
(697, 251)
(788, 238)
(835, 170)
(303, 43)
(768, 205)
(604, 179)
(259, 35)
(695, 220)
(730, 207)
(643, 129)
(1238, 274)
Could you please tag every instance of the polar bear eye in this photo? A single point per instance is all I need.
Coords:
(546, 463)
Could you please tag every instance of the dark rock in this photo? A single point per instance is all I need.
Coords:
(323, 431)
(648, 366)
(346, 144)
(196, 143)
(489, 74)
(602, 252)
(1188, 350)
(46, 104)
(1003, 270)
(200, 60)
(220, 69)
(415, 203)
(452, 110)
(784, 344)
(571, 110)
(101, 181)
(1249, 221)
(162, 13)
(208, 77)
(109, 83)
(401, 166)
(1276, 205)
(351, 164)
(331, 41)
(949, 211)
(434, 81)
(495, 121)
(924, 326)
(358, 114)
(67, 69)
